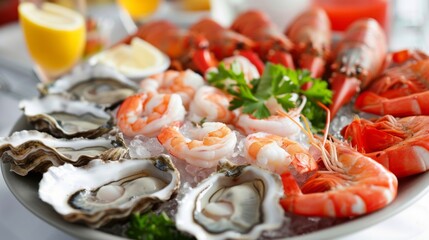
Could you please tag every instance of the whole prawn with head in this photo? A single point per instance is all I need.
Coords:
(359, 58)
(400, 91)
(351, 185)
(270, 43)
(311, 34)
(399, 144)
(225, 43)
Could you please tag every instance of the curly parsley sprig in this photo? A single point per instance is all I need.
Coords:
(276, 82)
(151, 226)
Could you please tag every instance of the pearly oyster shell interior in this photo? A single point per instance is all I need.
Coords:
(36, 151)
(102, 191)
(93, 83)
(66, 118)
(237, 202)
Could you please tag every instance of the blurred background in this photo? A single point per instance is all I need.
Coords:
(405, 22)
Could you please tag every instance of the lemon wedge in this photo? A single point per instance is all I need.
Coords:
(55, 35)
(136, 60)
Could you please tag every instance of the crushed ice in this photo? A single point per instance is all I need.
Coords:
(145, 147)
(293, 225)
(344, 116)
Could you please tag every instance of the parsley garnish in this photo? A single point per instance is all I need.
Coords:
(151, 226)
(276, 82)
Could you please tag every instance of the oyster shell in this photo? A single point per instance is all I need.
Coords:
(99, 84)
(237, 202)
(66, 118)
(102, 191)
(36, 151)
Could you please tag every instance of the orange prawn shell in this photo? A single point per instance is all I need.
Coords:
(222, 42)
(401, 145)
(367, 187)
(311, 31)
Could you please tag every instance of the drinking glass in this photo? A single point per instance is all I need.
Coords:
(54, 35)
(343, 13)
(136, 12)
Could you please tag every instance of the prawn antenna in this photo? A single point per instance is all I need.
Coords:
(305, 130)
(327, 123)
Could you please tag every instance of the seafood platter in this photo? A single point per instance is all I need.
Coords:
(245, 132)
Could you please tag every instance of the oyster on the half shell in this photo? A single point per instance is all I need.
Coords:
(237, 202)
(103, 191)
(36, 151)
(66, 118)
(99, 84)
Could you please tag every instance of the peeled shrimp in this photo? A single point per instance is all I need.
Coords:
(275, 153)
(267, 152)
(353, 185)
(147, 113)
(279, 123)
(184, 83)
(211, 104)
(202, 146)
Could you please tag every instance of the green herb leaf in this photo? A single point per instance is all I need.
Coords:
(276, 82)
(319, 91)
(315, 115)
(225, 78)
(285, 101)
(257, 109)
(151, 226)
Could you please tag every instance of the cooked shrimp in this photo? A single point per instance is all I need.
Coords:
(353, 185)
(147, 113)
(267, 152)
(202, 146)
(400, 144)
(279, 123)
(184, 83)
(211, 104)
(275, 153)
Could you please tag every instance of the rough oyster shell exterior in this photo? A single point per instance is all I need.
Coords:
(36, 151)
(102, 191)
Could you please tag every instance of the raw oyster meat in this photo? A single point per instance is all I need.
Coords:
(99, 84)
(66, 118)
(102, 191)
(36, 151)
(237, 202)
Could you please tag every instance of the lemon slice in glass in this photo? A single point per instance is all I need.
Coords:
(55, 35)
